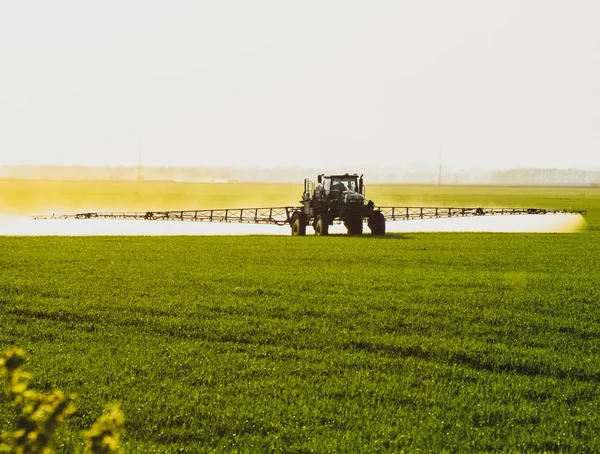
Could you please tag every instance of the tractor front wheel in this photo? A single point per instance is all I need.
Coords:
(354, 226)
(298, 224)
(321, 225)
(377, 223)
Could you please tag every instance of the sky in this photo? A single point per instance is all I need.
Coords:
(391, 84)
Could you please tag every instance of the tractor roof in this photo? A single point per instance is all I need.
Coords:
(345, 175)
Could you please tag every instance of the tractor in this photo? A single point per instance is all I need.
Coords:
(336, 198)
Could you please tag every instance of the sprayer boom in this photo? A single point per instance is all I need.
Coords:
(406, 213)
(273, 215)
(296, 217)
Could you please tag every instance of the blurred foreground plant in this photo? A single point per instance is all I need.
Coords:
(41, 418)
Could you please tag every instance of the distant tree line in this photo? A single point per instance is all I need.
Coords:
(425, 175)
(548, 177)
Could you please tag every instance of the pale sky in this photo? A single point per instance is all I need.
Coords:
(279, 83)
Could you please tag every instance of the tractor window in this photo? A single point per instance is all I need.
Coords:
(338, 185)
(351, 185)
(344, 184)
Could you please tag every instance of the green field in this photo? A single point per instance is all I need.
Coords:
(417, 342)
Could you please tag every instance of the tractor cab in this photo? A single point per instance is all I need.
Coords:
(335, 187)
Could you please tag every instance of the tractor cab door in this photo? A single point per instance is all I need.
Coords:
(334, 187)
(337, 187)
(327, 186)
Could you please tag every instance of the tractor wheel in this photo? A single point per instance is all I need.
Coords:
(377, 224)
(354, 226)
(298, 224)
(321, 225)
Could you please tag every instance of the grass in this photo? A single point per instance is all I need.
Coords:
(422, 342)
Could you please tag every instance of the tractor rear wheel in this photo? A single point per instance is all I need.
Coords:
(377, 223)
(298, 224)
(354, 226)
(321, 225)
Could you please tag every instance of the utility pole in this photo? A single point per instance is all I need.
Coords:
(440, 169)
